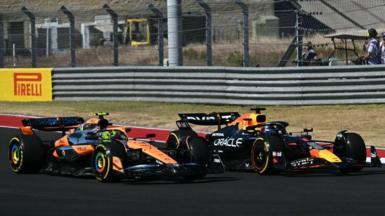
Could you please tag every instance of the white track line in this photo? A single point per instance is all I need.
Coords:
(368, 160)
(3, 126)
(20, 115)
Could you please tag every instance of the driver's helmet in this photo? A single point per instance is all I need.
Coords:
(108, 135)
(88, 127)
(275, 128)
(95, 126)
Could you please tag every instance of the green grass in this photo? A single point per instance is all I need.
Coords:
(368, 120)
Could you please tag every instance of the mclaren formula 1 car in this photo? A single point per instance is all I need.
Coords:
(248, 142)
(93, 147)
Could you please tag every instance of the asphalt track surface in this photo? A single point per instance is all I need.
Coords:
(232, 193)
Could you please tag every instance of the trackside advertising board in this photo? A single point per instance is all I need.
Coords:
(26, 84)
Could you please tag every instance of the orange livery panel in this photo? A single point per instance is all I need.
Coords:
(151, 150)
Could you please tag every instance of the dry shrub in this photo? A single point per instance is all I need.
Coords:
(264, 51)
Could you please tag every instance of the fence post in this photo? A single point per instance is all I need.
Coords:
(71, 18)
(114, 17)
(32, 19)
(160, 17)
(180, 31)
(209, 38)
(2, 50)
(245, 11)
(174, 29)
(299, 36)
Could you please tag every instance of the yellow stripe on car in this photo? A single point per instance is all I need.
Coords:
(329, 156)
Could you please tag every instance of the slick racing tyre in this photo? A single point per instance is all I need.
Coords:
(197, 152)
(178, 138)
(26, 154)
(109, 161)
(187, 146)
(261, 154)
(190, 148)
(351, 145)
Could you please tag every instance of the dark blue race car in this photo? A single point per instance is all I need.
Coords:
(248, 142)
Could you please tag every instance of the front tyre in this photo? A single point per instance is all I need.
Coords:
(351, 145)
(355, 147)
(25, 154)
(109, 161)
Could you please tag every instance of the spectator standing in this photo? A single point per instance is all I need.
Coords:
(373, 50)
(382, 47)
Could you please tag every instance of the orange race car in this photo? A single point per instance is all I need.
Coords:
(94, 147)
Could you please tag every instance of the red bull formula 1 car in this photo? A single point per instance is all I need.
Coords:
(93, 147)
(248, 142)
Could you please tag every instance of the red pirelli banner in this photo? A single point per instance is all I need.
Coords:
(32, 84)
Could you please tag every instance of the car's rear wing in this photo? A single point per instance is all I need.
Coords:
(214, 118)
(53, 124)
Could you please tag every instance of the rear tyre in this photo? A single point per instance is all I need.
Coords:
(197, 152)
(181, 141)
(351, 146)
(261, 154)
(177, 138)
(190, 148)
(198, 149)
(26, 154)
(107, 158)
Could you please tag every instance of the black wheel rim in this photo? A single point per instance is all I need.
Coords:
(260, 156)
